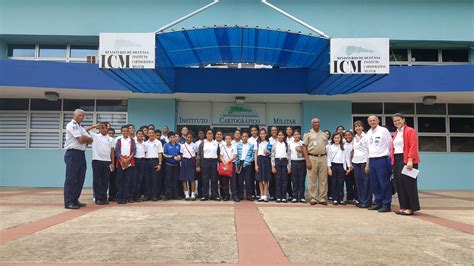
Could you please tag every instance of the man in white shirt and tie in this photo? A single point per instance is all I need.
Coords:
(378, 164)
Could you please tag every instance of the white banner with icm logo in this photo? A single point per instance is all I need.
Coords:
(127, 50)
(359, 56)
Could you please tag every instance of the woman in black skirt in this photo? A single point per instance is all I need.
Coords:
(405, 152)
(263, 166)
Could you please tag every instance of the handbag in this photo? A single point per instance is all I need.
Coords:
(225, 169)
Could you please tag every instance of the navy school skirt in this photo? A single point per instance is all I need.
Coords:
(188, 170)
(265, 169)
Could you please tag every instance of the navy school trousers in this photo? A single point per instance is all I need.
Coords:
(75, 175)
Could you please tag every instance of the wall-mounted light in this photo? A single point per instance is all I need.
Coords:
(429, 100)
(51, 96)
(239, 100)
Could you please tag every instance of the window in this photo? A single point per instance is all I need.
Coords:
(398, 54)
(441, 127)
(455, 55)
(21, 50)
(404, 108)
(38, 123)
(52, 51)
(367, 108)
(14, 104)
(424, 55)
(435, 109)
(71, 105)
(112, 105)
(45, 105)
(431, 56)
(461, 109)
(462, 144)
(435, 144)
(461, 124)
(432, 124)
(82, 51)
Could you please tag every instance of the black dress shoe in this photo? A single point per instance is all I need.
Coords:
(313, 203)
(236, 199)
(385, 209)
(72, 207)
(226, 198)
(100, 202)
(204, 198)
(374, 208)
(80, 204)
(121, 201)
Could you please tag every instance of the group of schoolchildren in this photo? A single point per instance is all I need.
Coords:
(148, 164)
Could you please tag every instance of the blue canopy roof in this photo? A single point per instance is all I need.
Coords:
(177, 51)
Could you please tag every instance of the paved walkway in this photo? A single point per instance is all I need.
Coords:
(35, 228)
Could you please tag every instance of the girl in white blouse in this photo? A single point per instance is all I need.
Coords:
(359, 160)
(338, 161)
(281, 166)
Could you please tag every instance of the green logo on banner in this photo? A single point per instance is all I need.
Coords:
(238, 109)
(357, 49)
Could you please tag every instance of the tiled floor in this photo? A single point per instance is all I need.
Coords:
(35, 228)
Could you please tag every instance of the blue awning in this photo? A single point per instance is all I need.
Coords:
(178, 51)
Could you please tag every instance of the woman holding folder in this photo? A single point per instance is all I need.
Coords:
(405, 153)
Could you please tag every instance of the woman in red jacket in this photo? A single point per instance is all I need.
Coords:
(405, 152)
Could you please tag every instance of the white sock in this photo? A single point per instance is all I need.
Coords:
(186, 193)
(193, 194)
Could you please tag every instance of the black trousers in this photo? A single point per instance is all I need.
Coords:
(162, 181)
(337, 181)
(298, 176)
(271, 187)
(255, 182)
(362, 181)
(100, 179)
(407, 187)
(122, 181)
(351, 189)
(281, 178)
(289, 186)
(137, 181)
(244, 182)
(237, 185)
(153, 178)
(75, 175)
(172, 174)
(112, 187)
(209, 173)
(199, 184)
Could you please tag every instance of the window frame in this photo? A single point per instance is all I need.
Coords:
(428, 63)
(447, 134)
(61, 130)
(67, 58)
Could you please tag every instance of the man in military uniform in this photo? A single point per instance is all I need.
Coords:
(314, 150)
(76, 143)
